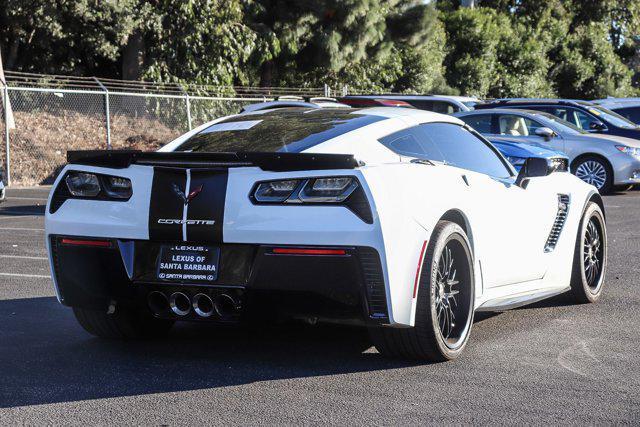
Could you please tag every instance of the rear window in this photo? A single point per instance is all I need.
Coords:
(283, 130)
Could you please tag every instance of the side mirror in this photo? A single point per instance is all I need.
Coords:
(533, 167)
(545, 132)
(597, 126)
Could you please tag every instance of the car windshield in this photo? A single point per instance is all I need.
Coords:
(291, 130)
(471, 104)
(562, 126)
(614, 118)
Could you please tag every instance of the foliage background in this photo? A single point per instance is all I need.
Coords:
(566, 48)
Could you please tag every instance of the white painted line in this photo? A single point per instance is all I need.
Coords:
(27, 198)
(21, 229)
(23, 257)
(36, 276)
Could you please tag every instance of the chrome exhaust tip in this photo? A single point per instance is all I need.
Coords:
(158, 302)
(225, 305)
(180, 303)
(203, 305)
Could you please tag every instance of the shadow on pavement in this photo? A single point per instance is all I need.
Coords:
(22, 210)
(46, 357)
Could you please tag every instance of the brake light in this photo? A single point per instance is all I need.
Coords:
(307, 251)
(82, 242)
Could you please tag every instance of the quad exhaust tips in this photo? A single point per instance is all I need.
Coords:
(225, 305)
(222, 306)
(158, 302)
(180, 303)
(203, 305)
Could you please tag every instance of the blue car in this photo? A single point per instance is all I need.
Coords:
(516, 152)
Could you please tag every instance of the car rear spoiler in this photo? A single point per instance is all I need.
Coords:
(276, 162)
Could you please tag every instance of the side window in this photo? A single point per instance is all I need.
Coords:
(422, 105)
(631, 113)
(480, 122)
(444, 107)
(412, 142)
(573, 116)
(512, 124)
(463, 149)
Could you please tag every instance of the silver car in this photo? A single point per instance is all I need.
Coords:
(605, 161)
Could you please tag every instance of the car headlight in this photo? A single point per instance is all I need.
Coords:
(516, 161)
(632, 151)
(559, 164)
(337, 190)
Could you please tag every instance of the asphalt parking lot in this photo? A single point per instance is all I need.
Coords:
(549, 363)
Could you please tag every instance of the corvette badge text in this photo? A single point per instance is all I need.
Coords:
(186, 221)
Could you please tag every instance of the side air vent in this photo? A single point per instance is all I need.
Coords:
(558, 225)
(374, 283)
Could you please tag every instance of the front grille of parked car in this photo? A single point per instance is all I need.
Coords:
(558, 224)
(374, 283)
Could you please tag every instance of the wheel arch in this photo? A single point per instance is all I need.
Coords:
(458, 217)
(596, 198)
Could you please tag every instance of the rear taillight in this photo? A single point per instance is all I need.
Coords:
(308, 251)
(327, 190)
(90, 186)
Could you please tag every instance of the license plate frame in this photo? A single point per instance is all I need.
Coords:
(188, 263)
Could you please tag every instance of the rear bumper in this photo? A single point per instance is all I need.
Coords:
(347, 286)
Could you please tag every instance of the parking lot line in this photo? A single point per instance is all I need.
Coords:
(42, 199)
(21, 229)
(23, 257)
(38, 276)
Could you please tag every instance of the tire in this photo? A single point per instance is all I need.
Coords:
(590, 259)
(433, 339)
(124, 323)
(623, 188)
(595, 171)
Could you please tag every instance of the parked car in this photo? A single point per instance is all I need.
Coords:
(373, 101)
(3, 194)
(352, 216)
(626, 107)
(443, 104)
(602, 160)
(517, 153)
(584, 115)
(311, 103)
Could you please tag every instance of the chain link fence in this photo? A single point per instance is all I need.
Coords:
(54, 114)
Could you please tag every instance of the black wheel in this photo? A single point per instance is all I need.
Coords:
(590, 258)
(124, 323)
(444, 312)
(595, 171)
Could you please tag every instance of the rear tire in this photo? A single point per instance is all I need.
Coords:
(590, 256)
(124, 323)
(445, 298)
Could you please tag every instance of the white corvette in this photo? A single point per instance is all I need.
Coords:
(401, 220)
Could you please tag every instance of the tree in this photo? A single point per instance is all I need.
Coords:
(81, 37)
(491, 56)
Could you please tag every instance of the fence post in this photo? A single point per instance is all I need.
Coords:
(7, 158)
(188, 102)
(106, 110)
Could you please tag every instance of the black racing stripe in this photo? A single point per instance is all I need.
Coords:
(207, 205)
(166, 203)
